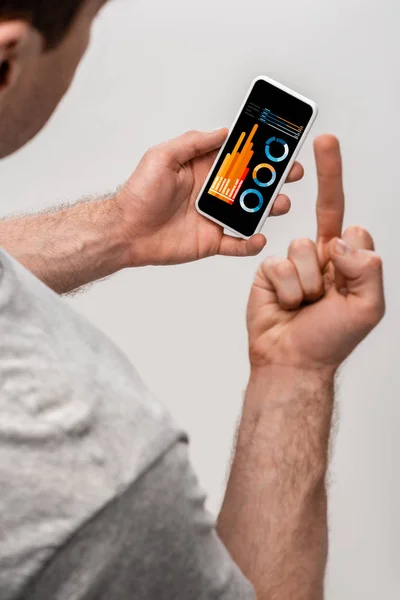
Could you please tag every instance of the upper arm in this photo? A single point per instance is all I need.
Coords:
(155, 541)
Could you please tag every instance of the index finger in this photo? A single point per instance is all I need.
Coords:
(192, 144)
(330, 200)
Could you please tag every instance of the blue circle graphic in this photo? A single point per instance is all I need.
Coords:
(259, 196)
(278, 141)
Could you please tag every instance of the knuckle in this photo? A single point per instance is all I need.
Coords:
(373, 311)
(283, 268)
(373, 314)
(154, 152)
(266, 267)
(357, 231)
(162, 155)
(257, 353)
(314, 291)
(292, 302)
(374, 262)
(148, 155)
(269, 262)
(240, 250)
(301, 244)
(163, 150)
(191, 138)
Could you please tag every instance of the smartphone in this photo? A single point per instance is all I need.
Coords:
(255, 160)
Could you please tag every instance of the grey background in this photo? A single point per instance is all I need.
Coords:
(157, 68)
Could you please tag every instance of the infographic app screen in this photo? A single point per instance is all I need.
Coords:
(255, 157)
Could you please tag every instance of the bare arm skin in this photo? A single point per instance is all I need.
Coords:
(69, 247)
(274, 517)
(152, 220)
(306, 313)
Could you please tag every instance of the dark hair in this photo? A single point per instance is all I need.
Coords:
(52, 18)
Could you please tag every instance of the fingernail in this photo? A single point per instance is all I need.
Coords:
(341, 247)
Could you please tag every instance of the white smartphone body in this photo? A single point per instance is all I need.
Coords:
(251, 167)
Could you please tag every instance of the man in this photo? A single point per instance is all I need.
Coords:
(98, 500)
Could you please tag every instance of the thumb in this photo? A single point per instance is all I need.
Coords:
(195, 143)
(362, 271)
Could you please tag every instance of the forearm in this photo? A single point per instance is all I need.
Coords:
(274, 516)
(68, 247)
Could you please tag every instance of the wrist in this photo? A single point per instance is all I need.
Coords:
(288, 412)
(270, 356)
(135, 242)
(114, 252)
(314, 376)
(277, 385)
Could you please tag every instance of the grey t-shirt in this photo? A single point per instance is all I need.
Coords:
(97, 497)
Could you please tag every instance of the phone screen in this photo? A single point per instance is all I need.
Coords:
(255, 157)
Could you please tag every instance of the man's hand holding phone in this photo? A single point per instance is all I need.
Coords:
(161, 223)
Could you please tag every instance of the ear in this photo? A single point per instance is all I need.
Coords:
(14, 35)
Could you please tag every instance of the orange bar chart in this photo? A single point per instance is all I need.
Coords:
(234, 169)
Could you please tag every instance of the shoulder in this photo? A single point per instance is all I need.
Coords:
(77, 424)
(156, 540)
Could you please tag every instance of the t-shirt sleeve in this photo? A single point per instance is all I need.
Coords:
(154, 541)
